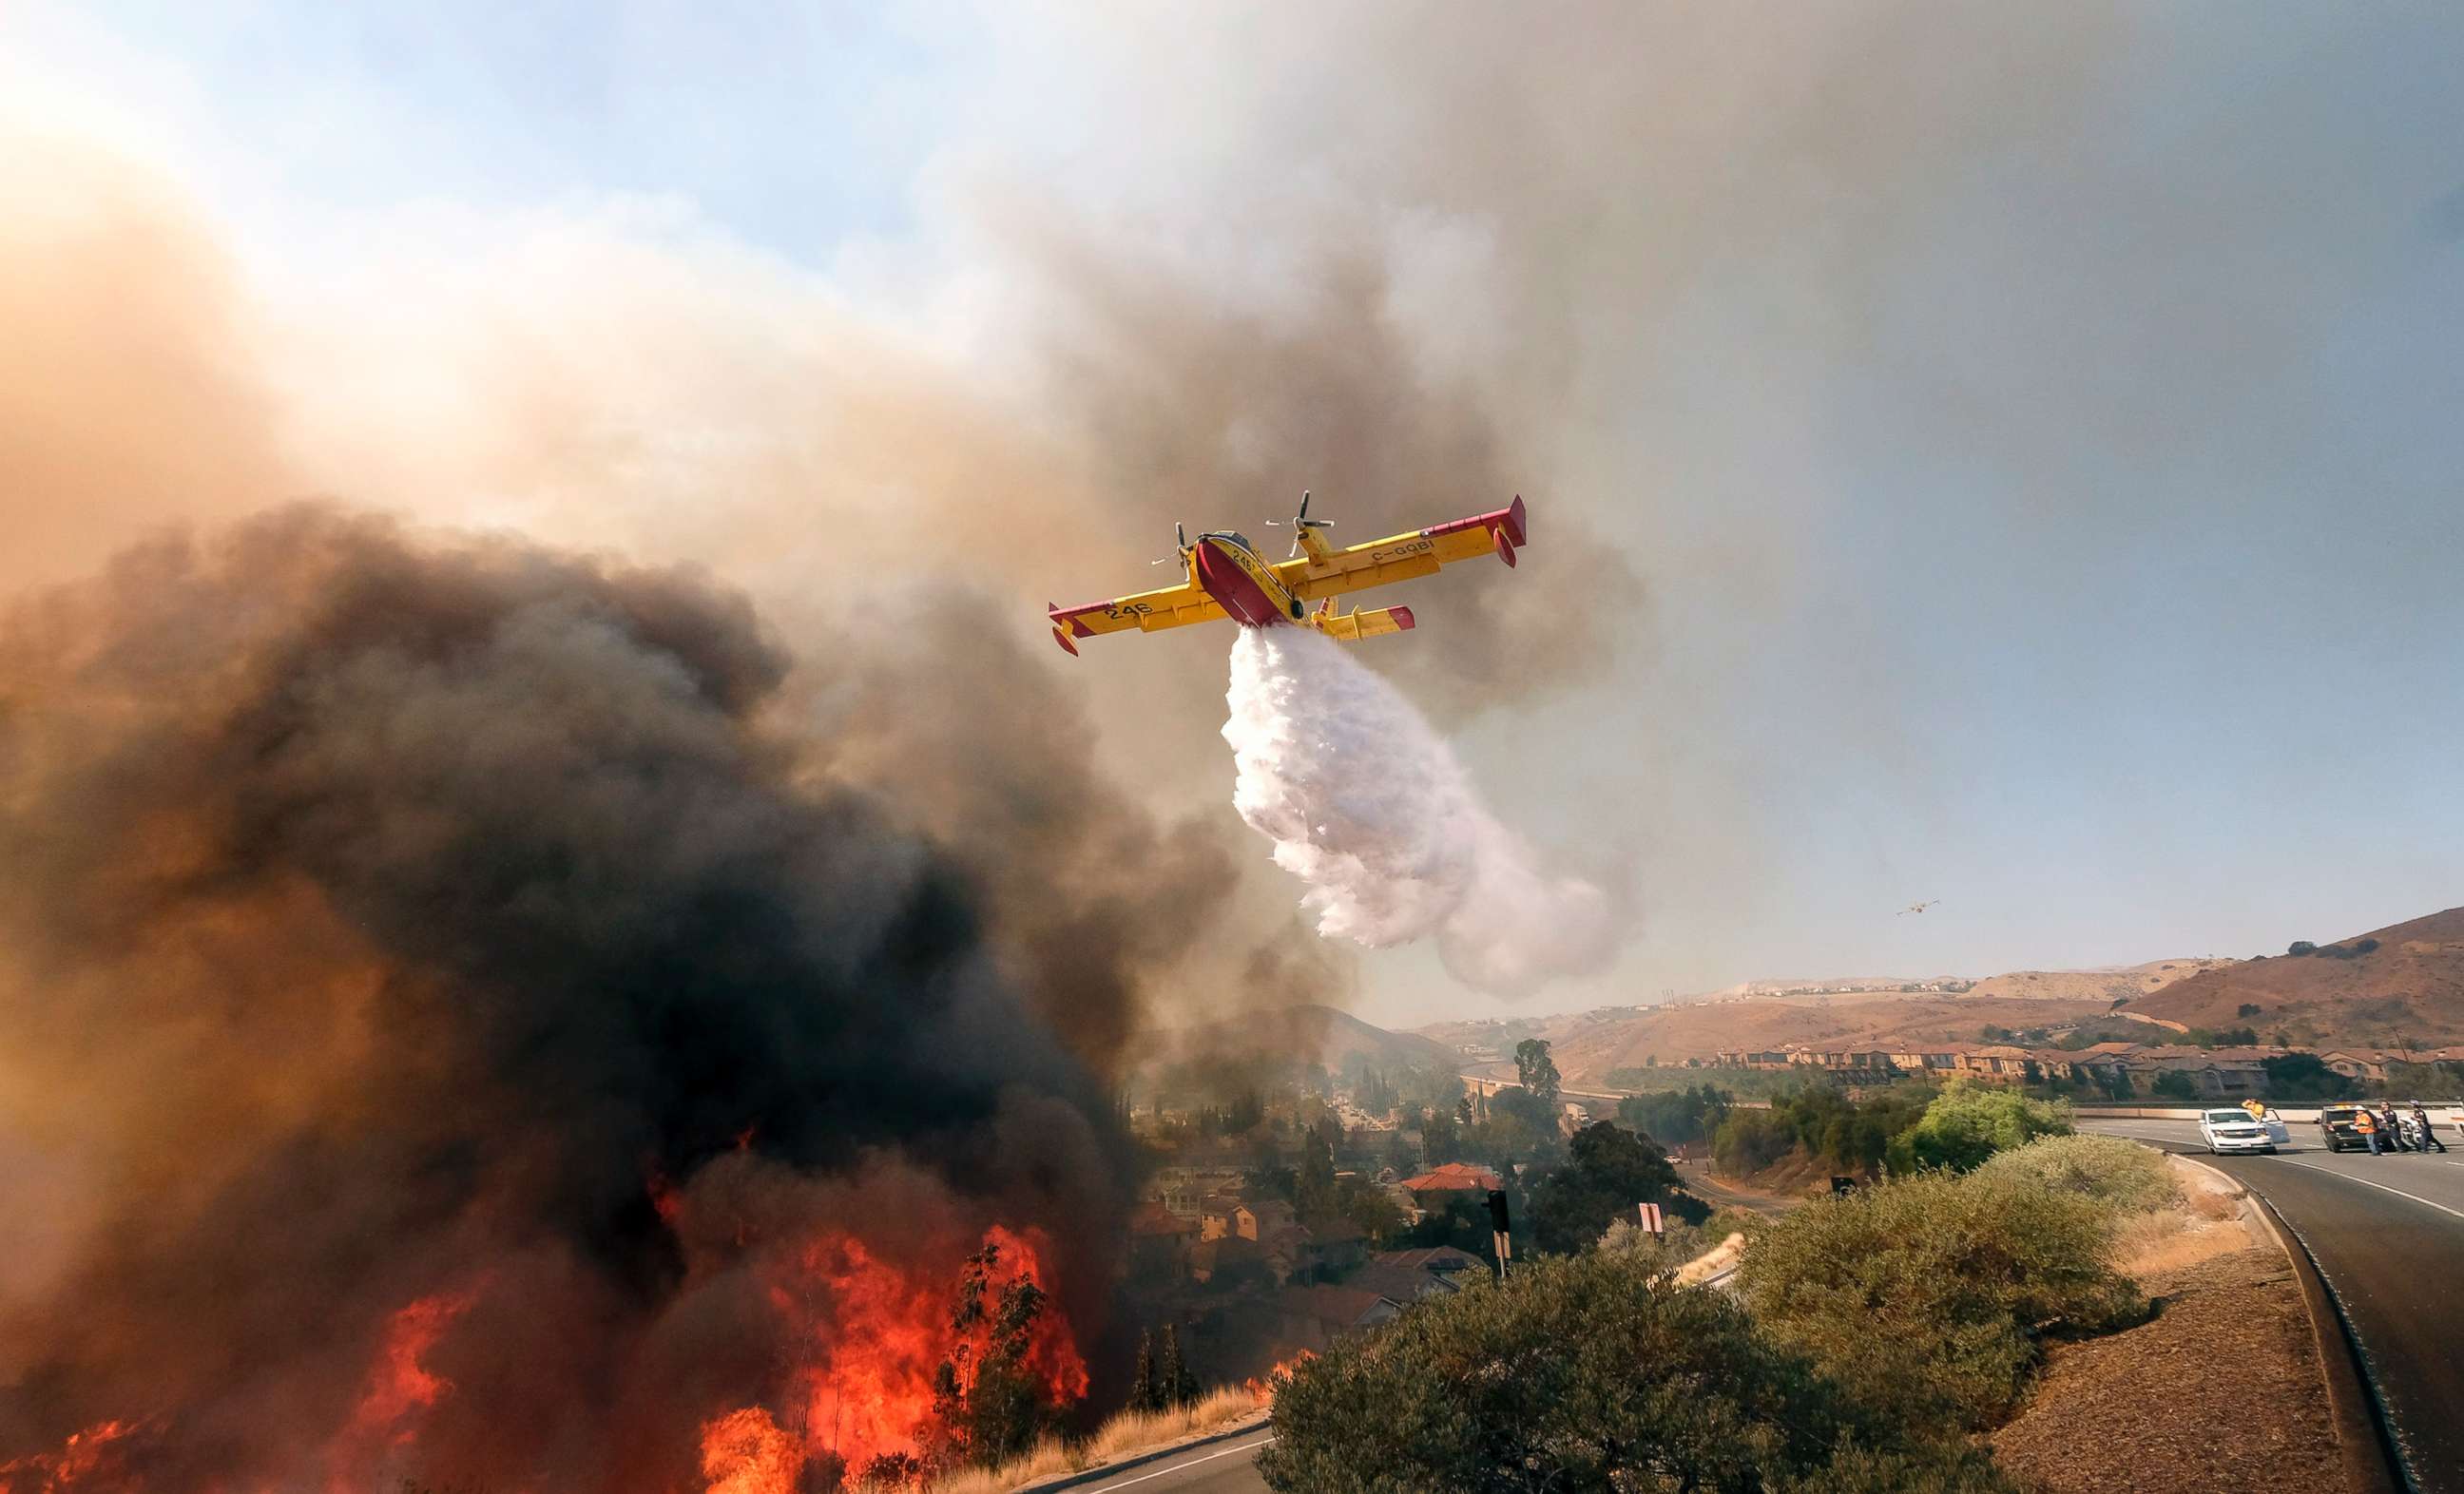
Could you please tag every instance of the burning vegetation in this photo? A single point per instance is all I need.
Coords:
(456, 1035)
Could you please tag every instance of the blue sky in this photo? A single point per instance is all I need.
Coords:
(2032, 433)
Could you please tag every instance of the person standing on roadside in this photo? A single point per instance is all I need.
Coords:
(2430, 1141)
(2367, 1124)
(2389, 1127)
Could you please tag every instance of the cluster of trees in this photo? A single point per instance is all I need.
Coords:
(1608, 1170)
(2301, 948)
(1676, 1117)
(1846, 1136)
(1319, 1197)
(988, 1404)
(1873, 1338)
(1401, 1088)
(1904, 1129)
(1160, 1381)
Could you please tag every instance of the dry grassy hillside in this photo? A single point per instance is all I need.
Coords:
(1310, 1034)
(2409, 987)
(1590, 1050)
(2107, 984)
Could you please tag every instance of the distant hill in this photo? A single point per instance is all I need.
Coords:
(2407, 986)
(1591, 1046)
(2106, 984)
(1318, 1035)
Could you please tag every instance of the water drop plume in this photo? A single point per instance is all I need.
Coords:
(1369, 806)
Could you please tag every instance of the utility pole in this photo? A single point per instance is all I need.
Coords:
(1503, 1236)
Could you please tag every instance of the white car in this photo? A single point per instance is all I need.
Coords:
(2234, 1130)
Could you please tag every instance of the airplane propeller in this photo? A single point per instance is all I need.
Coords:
(1179, 543)
(1302, 520)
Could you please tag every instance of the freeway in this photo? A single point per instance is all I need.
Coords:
(1209, 1468)
(2388, 1232)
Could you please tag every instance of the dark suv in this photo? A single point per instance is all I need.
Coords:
(2336, 1127)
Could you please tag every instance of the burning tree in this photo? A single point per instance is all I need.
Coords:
(988, 1395)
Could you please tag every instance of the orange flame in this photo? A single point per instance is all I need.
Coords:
(1265, 1387)
(89, 1460)
(744, 1452)
(400, 1391)
(873, 1334)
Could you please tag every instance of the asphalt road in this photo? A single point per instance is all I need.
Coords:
(2388, 1232)
(1214, 1468)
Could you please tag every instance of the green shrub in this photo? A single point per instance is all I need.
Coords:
(1929, 1293)
(1588, 1374)
(1968, 1122)
(1750, 1140)
(2124, 1175)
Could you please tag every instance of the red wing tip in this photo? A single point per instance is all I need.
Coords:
(1062, 639)
(1403, 618)
(1516, 521)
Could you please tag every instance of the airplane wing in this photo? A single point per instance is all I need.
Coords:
(1172, 606)
(1401, 556)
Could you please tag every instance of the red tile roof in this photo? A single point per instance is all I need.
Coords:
(1454, 1177)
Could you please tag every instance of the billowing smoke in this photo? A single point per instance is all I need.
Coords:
(1366, 803)
(459, 1026)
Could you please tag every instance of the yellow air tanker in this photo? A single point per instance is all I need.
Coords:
(1228, 579)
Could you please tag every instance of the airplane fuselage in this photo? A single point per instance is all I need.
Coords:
(1243, 585)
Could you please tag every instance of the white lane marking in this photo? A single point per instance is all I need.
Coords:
(1244, 1447)
(2366, 1183)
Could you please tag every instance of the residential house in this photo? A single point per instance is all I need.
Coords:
(1442, 1259)
(2001, 1063)
(1432, 1187)
(1310, 1317)
(1159, 1241)
(1410, 1275)
(2365, 1064)
(1262, 1220)
(1229, 1261)
(1334, 1247)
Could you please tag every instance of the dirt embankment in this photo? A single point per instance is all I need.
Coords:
(2221, 1391)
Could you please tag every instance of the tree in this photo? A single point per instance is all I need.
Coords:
(1145, 1395)
(2301, 947)
(1968, 1122)
(1536, 1071)
(1313, 1187)
(990, 1405)
(1608, 1170)
(2247, 1009)
(1175, 1384)
(2174, 1085)
(1587, 1374)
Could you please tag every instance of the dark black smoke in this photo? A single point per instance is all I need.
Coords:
(386, 913)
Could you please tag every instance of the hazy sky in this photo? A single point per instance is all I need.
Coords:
(2002, 455)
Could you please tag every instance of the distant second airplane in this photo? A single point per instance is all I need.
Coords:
(1228, 579)
(1918, 907)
